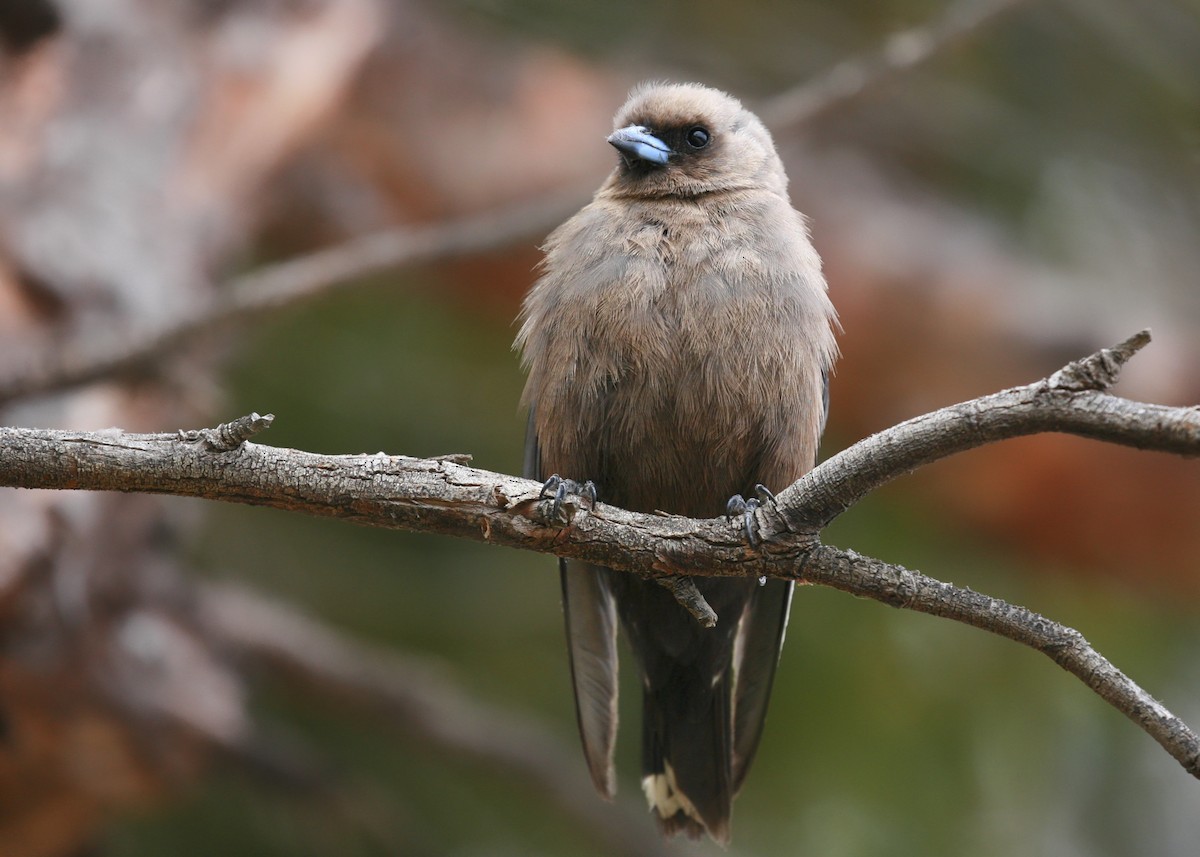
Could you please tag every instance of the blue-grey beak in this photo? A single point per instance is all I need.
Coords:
(635, 142)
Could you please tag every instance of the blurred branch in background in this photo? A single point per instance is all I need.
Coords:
(419, 700)
(103, 354)
(96, 354)
(903, 51)
(135, 135)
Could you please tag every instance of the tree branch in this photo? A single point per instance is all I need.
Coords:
(898, 586)
(1073, 400)
(446, 496)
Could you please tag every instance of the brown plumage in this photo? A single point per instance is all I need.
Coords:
(678, 345)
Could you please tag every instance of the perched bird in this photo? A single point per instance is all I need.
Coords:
(678, 345)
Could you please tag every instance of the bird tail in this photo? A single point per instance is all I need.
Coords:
(686, 758)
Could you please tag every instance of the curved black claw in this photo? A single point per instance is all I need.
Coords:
(735, 506)
(550, 486)
(738, 505)
(560, 489)
(763, 493)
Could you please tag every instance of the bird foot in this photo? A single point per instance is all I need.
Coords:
(559, 490)
(739, 505)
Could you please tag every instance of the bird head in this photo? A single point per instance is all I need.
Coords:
(687, 140)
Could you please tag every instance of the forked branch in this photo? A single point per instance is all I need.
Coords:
(444, 495)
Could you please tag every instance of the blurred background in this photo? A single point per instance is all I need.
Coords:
(189, 678)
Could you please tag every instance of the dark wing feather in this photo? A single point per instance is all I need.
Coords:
(591, 616)
(591, 619)
(532, 468)
(756, 655)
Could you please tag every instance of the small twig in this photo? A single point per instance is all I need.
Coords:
(685, 592)
(1099, 371)
(229, 436)
(1073, 401)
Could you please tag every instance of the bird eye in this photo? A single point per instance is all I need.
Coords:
(697, 138)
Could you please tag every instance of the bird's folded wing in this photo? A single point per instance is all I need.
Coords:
(591, 616)
(756, 654)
